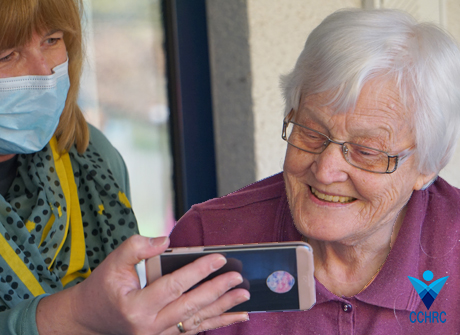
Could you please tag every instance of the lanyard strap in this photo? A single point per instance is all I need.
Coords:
(78, 247)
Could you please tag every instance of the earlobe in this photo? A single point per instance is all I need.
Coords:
(424, 180)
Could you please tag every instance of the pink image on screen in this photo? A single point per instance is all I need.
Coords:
(280, 281)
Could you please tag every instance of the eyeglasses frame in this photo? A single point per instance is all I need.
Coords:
(399, 158)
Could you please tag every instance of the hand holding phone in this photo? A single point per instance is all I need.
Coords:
(279, 276)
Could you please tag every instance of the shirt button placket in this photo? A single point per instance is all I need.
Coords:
(346, 318)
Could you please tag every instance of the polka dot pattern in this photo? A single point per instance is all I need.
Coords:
(36, 195)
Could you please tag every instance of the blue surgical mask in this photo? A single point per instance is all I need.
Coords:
(30, 107)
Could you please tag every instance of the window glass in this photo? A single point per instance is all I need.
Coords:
(123, 93)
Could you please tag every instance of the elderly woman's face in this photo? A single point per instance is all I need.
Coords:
(331, 200)
(43, 52)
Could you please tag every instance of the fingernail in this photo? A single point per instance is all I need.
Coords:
(244, 318)
(246, 297)
(218, 263)
(158, 241)
(235, 281)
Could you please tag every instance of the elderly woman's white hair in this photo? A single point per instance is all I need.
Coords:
(351, 47)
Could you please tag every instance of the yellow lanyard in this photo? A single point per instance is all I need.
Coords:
(77, 246)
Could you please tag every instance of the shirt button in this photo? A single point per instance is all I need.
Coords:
(347, 308)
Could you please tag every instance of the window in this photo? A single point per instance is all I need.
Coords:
(123, 93)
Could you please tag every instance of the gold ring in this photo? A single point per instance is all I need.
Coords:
(180, 326)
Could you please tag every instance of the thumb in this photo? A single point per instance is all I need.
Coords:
(137, 247)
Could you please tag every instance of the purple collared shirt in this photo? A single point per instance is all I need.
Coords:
(429, 239)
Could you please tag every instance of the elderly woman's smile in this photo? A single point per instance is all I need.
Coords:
(330, 197)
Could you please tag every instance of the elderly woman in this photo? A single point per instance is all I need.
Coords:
(64, 203)
(372, 116)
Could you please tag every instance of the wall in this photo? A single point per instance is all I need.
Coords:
(228, 35)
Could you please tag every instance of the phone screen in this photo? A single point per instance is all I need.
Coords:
(261, 271)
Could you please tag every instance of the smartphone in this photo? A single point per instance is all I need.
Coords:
(279, 276)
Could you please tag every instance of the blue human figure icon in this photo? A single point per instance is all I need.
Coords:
(428, 293)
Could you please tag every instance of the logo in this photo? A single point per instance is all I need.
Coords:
(428, 293)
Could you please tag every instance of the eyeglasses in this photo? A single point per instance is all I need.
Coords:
(360, 156)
